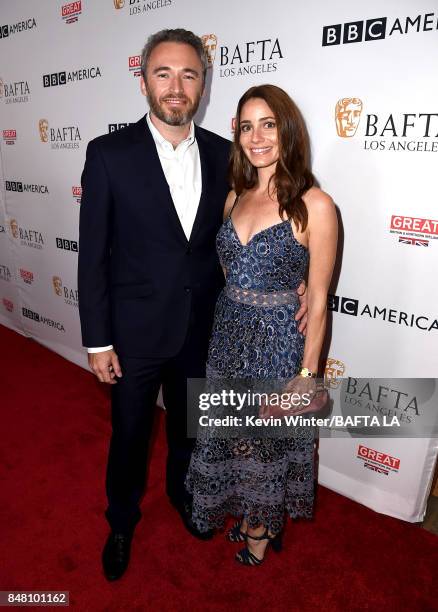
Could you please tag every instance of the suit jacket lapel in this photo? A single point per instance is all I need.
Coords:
(207, 174)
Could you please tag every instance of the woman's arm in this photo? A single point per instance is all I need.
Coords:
(231, 197)
(323, 234)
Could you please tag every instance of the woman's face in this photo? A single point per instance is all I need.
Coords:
(258, 133)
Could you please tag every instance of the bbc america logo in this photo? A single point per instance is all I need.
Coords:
(114, 127)
(67, 245)
(341, 304)
(20, 26)
(376, 29)
(30, 314)
(62, 78)
(350, 306)
(21, 187)
(38, 318)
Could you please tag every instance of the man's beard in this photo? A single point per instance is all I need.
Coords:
(174, 116)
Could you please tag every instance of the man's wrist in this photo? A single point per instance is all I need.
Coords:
(100, 349)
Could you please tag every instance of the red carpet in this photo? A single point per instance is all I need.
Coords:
(56, 426)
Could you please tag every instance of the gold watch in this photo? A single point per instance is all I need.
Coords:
(306, 373)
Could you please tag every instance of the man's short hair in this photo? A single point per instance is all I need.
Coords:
(178, 35)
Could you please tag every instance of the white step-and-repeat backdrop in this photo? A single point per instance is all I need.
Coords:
(364, 76)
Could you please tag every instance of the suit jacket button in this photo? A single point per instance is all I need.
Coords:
(187, 289)
(189, 250)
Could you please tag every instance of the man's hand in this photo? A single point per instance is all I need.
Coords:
(301, 315)
(106, 366)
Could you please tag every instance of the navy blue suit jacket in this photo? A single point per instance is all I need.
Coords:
(140, 280)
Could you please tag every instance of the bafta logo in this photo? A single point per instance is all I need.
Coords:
(347, 115)
(43, 126)
(14, 228)
(334, 371)
(118, 4)
(210, 43)
(57, 285)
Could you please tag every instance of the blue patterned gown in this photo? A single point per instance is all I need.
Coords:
(255, 336)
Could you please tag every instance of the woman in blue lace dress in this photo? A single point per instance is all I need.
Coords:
(278, 229)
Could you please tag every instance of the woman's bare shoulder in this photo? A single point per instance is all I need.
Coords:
(322, 217)
(318, 201)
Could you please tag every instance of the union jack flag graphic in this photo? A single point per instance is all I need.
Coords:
(416, 241)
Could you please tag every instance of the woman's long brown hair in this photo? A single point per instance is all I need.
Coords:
(292, 177)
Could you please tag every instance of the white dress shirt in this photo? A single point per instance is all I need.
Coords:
(182, 169)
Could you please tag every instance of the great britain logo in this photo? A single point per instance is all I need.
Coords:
(71, 12)
(414, 231)
(8, 304)
(10, 137)
(77, 193)
(134, 64)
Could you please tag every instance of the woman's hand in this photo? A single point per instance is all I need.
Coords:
(301, 390)
(301, 395)
(296, 398)
(301, 314)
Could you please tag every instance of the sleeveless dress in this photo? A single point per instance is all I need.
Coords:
(255, 336)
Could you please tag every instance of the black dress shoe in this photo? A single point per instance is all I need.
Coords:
(185, 512)
(115, 555)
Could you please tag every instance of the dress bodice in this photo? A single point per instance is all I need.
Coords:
(273, 260)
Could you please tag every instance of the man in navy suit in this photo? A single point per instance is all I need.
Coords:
(149, 276)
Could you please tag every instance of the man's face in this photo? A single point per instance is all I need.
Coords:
(174, 82)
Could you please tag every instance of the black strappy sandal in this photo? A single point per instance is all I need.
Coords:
(235, 534)
(246, 557)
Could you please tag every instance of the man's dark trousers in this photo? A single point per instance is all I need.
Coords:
(133, 403)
